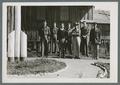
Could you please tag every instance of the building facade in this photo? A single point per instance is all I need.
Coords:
(32, 19)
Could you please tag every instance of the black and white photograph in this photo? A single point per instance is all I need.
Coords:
(60, 42)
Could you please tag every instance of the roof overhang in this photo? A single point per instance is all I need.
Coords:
(93, 21)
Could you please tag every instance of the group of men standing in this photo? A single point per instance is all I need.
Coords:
(74, 39)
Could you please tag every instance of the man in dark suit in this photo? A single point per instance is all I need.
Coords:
(95, 41)
(62, 40)
(69, 39)
(84, 39)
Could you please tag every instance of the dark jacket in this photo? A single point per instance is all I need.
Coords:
(61, 34)
(84, 31)
(95, 36)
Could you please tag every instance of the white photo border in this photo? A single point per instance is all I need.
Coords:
(113, 44)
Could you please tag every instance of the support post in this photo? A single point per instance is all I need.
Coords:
(17, 31)
(11, 38)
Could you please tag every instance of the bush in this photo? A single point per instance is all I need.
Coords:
(34, 66)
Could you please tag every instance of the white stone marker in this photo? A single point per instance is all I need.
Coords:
(17, 30)
(11, 42)
(23, 44)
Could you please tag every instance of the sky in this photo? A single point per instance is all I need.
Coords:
(104, 5)
(102, 8)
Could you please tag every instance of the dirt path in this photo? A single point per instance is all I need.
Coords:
(76, 68)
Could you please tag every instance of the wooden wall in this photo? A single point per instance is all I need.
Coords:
(33, 15)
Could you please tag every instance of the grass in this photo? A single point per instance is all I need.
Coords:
(37, 66)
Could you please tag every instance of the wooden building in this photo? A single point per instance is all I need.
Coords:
(32, 20)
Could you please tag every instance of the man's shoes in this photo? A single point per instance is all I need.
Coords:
(77, 57)
(87, 55)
